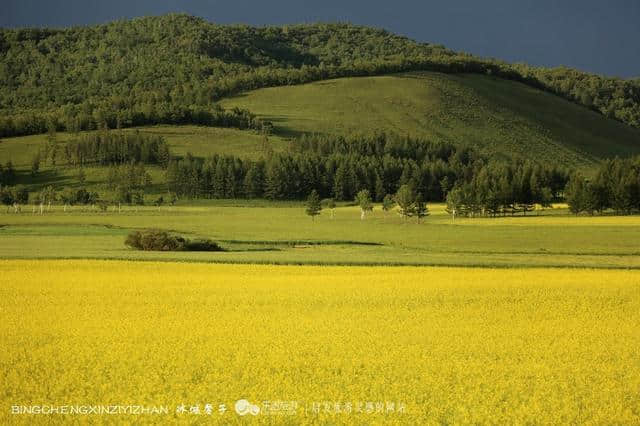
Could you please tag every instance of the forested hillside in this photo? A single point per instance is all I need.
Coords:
(171, 69)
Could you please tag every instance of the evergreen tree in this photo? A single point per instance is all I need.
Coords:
(420, 209)
(380, 192)
(219, 179)
(388, 204)
(405, 198)
(575, 193)
(313, 204)
(254, 180)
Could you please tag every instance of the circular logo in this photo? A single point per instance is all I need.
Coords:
(243, 407)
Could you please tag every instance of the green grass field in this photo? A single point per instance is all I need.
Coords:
(281, 233)
(495, 115)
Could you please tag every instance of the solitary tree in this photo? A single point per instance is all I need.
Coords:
(575, 193)
(388, 204)
(455, 201)
(405, 199)
(363, 198)
(46, 196)
(546, 198)
(331, 204)
(313, 204)
(68, 198)
(420, 209)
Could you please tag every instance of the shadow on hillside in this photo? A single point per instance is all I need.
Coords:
(41, 179)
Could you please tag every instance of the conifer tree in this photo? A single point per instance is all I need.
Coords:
(420, 209)
(405, 198)
(388, 204)
(313, 204)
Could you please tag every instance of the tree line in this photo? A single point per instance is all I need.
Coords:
(616, 186)
(170, 69)
(108, 148)
(102, 148)
(341, 167)
(73, 118)
(125, 184)
(501, 188)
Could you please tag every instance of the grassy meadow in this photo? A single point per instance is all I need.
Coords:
(494, 115)
(265, 232)
(359, 345)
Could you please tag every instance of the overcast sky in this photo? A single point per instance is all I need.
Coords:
(597, 36)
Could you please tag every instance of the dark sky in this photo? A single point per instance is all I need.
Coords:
(593, 35)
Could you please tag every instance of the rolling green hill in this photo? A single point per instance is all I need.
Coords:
(170, 69)
(495, 115)
(499, 117)
(167, 74)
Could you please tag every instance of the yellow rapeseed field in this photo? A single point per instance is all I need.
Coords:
(167, 342)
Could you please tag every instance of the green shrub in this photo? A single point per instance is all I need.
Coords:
(158, 240)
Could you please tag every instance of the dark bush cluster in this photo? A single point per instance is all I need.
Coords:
(158, 240)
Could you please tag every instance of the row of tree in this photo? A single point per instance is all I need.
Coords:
(126, 184)
(503, 188)
(410, 203)
(292, 176)
(108, 148)
(74, 119)
(341, 167)
(616, 186)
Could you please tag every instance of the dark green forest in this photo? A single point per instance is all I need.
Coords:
(171, 69)
(340, 167)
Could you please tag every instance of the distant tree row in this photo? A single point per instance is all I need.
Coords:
(106, 148)
(379, 165)
(170, 69)
(13, 196)
(295, 175)
(74, 119)
(501, 188)
(128, 183)
(616, 186)
(102, 148)
(125, 184)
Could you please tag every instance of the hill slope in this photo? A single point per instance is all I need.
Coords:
(170, 69)
(495, 115)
